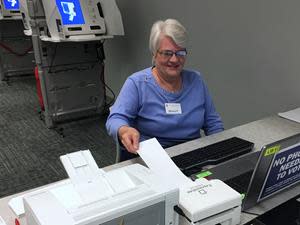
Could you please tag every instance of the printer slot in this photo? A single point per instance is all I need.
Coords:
(74, 28)
(95, 27)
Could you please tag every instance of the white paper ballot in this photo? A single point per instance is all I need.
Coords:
(67, 196)
(160, 163)
(292, 115)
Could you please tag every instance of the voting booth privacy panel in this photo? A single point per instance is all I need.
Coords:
(16, 54)
(68, 37)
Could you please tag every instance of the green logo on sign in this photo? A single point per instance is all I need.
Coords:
(272, 150)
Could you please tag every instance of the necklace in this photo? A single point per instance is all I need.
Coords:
(172, 87)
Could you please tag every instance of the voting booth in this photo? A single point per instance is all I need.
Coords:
(68, 38)
(16, 54)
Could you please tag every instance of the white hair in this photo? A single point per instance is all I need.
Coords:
(171, 28)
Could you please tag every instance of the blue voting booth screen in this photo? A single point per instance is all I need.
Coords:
(283, 172)
(70, 11)
(11, 4)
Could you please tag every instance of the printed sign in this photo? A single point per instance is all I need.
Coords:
(70, 11)
(11, 4)
(284, 171)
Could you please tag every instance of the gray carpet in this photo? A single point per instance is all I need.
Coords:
(29, 152)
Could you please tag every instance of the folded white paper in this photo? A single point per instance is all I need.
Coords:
(160, 163)
(293, 115)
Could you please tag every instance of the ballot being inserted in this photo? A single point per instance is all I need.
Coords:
(160, 163)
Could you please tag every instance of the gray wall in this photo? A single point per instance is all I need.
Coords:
(247, 51)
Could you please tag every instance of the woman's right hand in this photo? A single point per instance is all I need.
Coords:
(130, 138)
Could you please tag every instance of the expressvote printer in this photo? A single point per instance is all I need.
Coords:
(209, 202)
(130, 195)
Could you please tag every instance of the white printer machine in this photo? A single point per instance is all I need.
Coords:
(129, 195)
(209, 202)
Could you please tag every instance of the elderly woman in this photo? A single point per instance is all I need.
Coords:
(163, 101)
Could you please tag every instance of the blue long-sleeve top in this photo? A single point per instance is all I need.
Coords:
(141, 104)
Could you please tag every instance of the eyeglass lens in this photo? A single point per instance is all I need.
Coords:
(170, 53)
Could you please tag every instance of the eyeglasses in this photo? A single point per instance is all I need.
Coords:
(169, 53)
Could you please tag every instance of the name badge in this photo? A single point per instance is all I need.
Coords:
(173, 108)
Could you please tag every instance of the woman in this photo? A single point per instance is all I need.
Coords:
(163, 101)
